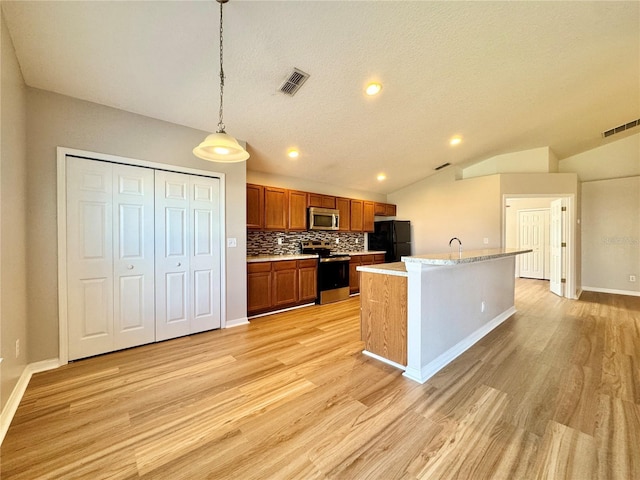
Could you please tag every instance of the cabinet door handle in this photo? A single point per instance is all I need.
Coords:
(130, 267)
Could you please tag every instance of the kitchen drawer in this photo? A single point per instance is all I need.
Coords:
(307, 263)
(285, 265)
(259, 267)
(366, 259)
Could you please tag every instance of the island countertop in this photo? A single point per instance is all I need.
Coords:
(469, 256)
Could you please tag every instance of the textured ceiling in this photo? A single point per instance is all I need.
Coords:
(507, 76)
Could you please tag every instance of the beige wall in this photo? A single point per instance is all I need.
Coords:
(611, 234)
(310, 186)
(13, 212)
(55, 120)
(441, 207)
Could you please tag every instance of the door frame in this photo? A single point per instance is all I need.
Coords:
(61, 155)
(570, 290)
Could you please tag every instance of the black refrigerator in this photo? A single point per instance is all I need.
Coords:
(392, 236)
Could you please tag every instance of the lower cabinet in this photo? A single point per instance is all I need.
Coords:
(356, 261)
(275, 285)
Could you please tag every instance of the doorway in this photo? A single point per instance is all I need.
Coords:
(540, 223)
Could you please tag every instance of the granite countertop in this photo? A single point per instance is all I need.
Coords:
(277, 258)
(365, 252)
(395, 268)
(470, 256)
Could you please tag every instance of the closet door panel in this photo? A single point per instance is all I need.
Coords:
(173, 311)
(134, 309)
(89, 257)
(205, 253)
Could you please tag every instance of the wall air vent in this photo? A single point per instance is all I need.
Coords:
(621, 128)
(293, 82)
(442, 166)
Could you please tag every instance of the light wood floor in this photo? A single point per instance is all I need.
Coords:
(553, 393)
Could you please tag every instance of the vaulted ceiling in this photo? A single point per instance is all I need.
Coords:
(506, 76)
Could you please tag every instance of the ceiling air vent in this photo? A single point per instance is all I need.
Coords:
(293, 82)
(621, 128)
(442, 166)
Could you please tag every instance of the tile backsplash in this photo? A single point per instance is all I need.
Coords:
(266, 243)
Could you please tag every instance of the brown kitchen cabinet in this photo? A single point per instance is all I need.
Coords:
(323, 201)
(255, 206)
(297, 210)
(275, 208)
(259, 287)
(307, 280)
(343, 205)
(356, 216)
(357, 260)
(285, 283)
(276, 285)
(385, 210)
(367, 216)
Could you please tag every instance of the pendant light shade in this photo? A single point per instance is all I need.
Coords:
(220, 146)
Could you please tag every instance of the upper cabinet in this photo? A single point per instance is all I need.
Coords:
(367, 216)
(273, 208)
(297, 210)
(343, 205)
(318, 200)
(356, 216)
(255, 206)
(385, 210)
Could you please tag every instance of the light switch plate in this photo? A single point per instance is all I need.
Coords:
(232, 242)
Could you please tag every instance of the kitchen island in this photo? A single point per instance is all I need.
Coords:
(423, 312)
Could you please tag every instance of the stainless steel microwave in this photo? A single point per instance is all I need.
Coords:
(324, 219)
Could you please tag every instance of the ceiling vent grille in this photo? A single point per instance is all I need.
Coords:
(442, 166)
(621, 128)
(294, 81)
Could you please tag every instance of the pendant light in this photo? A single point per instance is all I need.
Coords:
(220, 146)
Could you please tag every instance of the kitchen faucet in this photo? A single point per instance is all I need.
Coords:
(459, 246)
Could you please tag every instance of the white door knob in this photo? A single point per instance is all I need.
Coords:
(179, 264)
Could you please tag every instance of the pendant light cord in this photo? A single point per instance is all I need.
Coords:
(220, 122)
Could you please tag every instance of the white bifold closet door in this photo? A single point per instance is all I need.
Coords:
(110, 256)
(187, 217)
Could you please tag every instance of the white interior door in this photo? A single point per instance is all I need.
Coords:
(133, 266)
(531, 228)
(89, 257)
(556, 239)
(204, 212)
(187, 254)
(172, 255)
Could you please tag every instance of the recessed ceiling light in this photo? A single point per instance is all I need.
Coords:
(373, 89)
(455, 141)
(381, 177)
(293, 153)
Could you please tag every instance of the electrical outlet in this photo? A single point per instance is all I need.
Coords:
(632, 278)
(485, 240)
(279, 240)
(17, 348)
(357, 241)
(337, 240)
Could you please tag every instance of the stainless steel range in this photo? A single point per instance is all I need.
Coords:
(333, 272)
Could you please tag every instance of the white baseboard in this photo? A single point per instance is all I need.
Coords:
(236, 322)
(384, 360)
(15, 398)
(633, 293)
(430, 369)
(280, 311)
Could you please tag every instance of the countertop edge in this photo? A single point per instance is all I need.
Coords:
(279, 258)
(472, 256)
